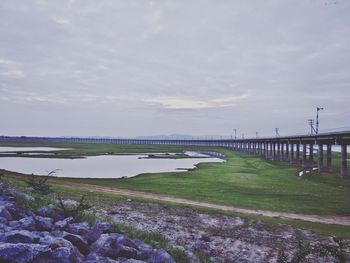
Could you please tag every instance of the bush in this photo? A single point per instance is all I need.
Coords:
(39, 183)
(74, 210)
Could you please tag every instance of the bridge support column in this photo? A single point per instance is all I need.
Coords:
(329, 158)
(287, 152)
(304, 158)
(320, 158)
(344, 162)
(297, 153)
(279, 151)
(291, 158)
(282, 151)
(311, 155)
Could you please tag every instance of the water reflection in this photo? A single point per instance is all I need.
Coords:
(103, 166)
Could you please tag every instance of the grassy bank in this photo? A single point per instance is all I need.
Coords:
(244, 180)
(102, 199)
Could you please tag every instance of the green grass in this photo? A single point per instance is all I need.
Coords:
(247, 181)
(101, 198)
(244, 180)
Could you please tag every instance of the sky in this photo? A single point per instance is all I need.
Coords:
(139, 67)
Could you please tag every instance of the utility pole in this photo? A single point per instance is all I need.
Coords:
(317, 122)
(311, 123)
(277, 132)
(235, 134)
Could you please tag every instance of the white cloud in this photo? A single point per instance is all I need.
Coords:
(228, 60)
(14, 73)
(192, 103)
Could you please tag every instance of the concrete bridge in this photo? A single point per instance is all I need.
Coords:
(297, 150)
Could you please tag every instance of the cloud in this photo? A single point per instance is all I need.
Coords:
(225, 61)
(191, 103)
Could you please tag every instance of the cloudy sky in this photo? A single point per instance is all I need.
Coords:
(141, 67)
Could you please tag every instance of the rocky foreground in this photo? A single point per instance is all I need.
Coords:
(226, 238)
(46, 236)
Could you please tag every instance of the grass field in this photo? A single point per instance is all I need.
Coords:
(243, 180)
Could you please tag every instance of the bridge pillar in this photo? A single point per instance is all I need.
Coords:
(329, 158)
(279, 151)
(282, 151)
(311, 156)
(291, 158)
(287, 152)
(304, 158)
(273, 151)
(344, 162)
(320, 158)
(297, 153)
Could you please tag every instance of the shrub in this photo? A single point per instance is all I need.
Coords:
(39, 183)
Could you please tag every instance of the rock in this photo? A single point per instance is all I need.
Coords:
(62, 224)
(3, 220)
(20, 253)
(93, 258)
(45, 211)
(16, 212)
(5, 213)
(124, 251)
(79, 228)
(43, 223)
(62, 250)
(25, 197)
(70, 203)
(67, 255)
(21, 236)
(98, 229)
(205, 238)
(27, 223)
(77, 241)
(192, 257)
(161, 256)
(14, 224)
(108, 245)
(144, 254)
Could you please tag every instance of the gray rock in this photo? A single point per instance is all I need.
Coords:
(62, 224)
(14, 224)
(21, 236)
(67, 255)
(161, 256)
(20, 253)
(5, 213)
(62, 250)
(3, 220)
(98, 229)
(93, 258)
(108, 245)
(82, 229)
(43, 223)
(45, 211)
(27, 223)
(78, 241)
(25, 197)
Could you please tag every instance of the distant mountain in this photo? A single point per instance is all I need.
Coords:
(181, 137)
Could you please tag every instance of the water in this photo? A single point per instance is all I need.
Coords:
(102, 166)
(30, 149)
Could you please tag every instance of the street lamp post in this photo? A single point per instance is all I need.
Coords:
(317, 122)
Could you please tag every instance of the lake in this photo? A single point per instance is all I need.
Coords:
(102, 166)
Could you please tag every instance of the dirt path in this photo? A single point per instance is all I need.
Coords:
(337, 220)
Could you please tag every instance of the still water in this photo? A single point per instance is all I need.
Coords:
(103, 166)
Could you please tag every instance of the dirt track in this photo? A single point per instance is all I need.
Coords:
(336, 220)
